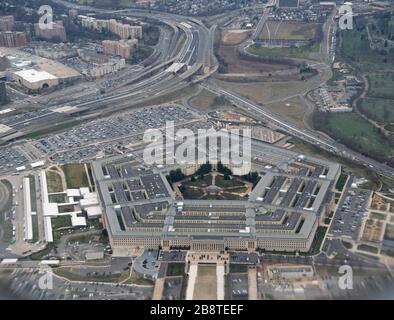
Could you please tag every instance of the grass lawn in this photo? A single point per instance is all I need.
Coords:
(68, 208)
(387, 252)
(69, 274)
(356, 132)
(381, 85)
(317, 241)
(34, 219)
(205, 287)
(33, 199)
(75, 175)
(192, 193)
(54, 182)
(61, 222)
(238, 268)
(367, 248)
(292, 52)
(379, 109)
(356, 49)
(7, 228)
(222, 183)
(175, 269)
(58, 198)
(242, 189)
(341, 182)
(206, 181)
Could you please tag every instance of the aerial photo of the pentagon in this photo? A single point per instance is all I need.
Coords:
(196, 150)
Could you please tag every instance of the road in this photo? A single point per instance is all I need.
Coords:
(197, 48)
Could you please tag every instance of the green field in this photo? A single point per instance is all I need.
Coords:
(356, 49)
(175, 269)
(378, 105)
(292, 52)
(223, 183)
(356, 132)
(61, 222)
(381, 85)
(379, 110)
(54, 182)
(341, 183)
(76, 176)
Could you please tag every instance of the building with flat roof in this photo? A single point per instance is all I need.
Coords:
(282, 212)
(35, 80)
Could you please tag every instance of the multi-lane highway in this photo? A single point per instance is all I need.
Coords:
(303, 134)
(188, 44)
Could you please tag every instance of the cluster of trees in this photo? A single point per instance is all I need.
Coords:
(224, 170)
(150, 35)
(175, 176)
(141, 53)
(252, 177)
(204, 169)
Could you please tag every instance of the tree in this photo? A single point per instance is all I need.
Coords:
(204, 169)
(182, 188)
(223, 169)
(175, 176)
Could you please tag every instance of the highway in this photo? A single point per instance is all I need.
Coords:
(190, 43)
(303, 134)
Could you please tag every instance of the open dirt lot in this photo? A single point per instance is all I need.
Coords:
(288, 30)
(204, 101)
(234, 36)
(236, 65)
(293, 109)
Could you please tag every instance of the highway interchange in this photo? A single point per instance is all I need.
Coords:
(186, 42)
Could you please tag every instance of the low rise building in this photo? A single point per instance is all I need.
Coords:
(35, 80)
(112, 66)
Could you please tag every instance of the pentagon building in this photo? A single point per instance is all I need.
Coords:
(282, 212)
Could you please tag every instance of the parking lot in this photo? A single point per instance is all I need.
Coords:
(350, 213)
(24, 283)
(238, 286)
